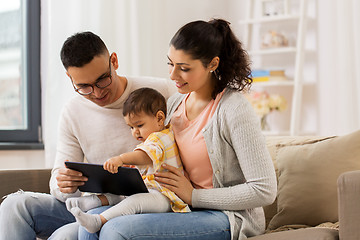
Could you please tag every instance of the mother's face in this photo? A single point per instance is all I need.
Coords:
(188, 74)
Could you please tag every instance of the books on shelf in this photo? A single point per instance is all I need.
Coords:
(263, 75)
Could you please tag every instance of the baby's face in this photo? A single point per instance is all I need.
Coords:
(142, 125)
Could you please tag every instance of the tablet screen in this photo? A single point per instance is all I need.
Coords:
(126, 181)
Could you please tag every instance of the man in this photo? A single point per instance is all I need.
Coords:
(91, 128)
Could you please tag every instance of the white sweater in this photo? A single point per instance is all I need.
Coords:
(243, 173)
(96, 133)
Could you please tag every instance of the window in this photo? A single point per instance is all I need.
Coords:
(20, 100)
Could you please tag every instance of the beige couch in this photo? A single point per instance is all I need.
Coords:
(318, 188)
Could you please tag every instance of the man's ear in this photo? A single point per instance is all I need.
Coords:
(160, 117)
(114, 60)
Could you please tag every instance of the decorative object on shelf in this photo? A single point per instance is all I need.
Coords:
(264, 75)
(274, 39)
(264, 103)
(274, 7)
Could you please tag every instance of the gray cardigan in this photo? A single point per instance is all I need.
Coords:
(243, 173)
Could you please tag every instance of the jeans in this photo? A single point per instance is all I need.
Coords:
(204, 224)
(27, 215)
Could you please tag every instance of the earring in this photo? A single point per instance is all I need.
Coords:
(217, 75)
(211, 71)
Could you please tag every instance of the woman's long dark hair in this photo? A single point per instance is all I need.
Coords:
(206, 40)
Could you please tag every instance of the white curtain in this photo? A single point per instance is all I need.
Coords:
(339, 66)
(137, 30)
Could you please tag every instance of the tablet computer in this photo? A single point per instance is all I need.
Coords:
(126, 181)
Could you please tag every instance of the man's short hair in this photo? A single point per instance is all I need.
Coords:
(145, 100)
(81, 48)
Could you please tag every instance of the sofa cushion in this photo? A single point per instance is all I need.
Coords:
(307, 178)
(273, 144)
(301, 234)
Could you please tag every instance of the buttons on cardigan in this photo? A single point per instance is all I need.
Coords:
(217, 172)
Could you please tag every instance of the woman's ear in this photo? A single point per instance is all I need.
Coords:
(214, 64)
(160, 117)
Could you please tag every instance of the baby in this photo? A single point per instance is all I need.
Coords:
(144, 111)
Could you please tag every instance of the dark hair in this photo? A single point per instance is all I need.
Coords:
(206, 40)
(145, 100)
(81, 48)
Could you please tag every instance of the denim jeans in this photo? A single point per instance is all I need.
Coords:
(27, 215)
(204, 224)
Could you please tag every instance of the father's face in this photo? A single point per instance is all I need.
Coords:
(97, 80)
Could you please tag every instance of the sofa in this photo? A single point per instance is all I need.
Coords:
(318, 194)
(318, 187)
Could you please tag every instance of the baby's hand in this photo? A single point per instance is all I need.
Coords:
(113, 164)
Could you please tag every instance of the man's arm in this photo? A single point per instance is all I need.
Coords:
(64, 182)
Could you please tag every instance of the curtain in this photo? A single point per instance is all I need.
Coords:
(339, 66)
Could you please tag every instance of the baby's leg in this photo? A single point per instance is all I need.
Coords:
(152, 202)
(85, 203)
(113, 199)
(91, 222)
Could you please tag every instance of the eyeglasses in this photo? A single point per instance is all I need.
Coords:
(102, 82)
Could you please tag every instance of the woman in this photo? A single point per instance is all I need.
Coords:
(229, 172)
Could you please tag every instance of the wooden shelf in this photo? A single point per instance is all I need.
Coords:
(293, 23)
(273, 83)
(271, 19)
(273, 51)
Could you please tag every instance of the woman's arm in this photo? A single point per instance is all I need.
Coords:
(244, 175)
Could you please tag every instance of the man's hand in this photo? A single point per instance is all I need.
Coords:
(175, 181)
(69, 180)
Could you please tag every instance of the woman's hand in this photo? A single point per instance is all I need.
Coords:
(175, 181)
(69, 180)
